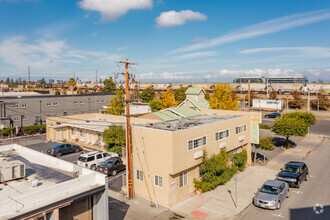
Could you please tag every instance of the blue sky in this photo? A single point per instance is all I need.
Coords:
(171, 40)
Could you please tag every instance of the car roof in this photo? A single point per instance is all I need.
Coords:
(91, 153)
(276, 183)
(113, 159)
(294, 163)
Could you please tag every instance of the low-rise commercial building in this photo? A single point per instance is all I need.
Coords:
(52, 189)
(25, 110)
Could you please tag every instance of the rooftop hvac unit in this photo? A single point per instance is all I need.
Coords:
(11, 170)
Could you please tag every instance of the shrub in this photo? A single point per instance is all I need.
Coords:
(239, 160)
(215, 171)
(263, 126)
(33, 129)
(7, 131)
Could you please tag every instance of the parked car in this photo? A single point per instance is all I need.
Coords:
(94, 158)
(272, 194)
(273, 115)
(58, 150)
(111, 166)
(294, 173)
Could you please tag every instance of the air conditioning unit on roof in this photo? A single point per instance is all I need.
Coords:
(11, 170)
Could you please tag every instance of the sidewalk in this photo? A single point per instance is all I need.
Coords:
(219, 203)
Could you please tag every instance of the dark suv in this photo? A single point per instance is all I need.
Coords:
(294, 173)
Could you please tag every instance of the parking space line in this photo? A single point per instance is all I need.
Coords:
(298, 192)
(279, 215)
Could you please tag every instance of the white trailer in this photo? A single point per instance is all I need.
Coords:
(267, 104)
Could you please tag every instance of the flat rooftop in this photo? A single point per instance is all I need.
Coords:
(93, 124)
(49, 180)
(189, 122)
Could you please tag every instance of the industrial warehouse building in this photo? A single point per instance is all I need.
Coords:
(169, 152)
(51, 189)
(31, 110)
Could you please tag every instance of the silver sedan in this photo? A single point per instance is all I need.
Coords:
(271, 194)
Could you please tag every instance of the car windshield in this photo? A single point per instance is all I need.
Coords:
(291, 169)
(53, 147)
(108, 162)
(82, 159)
(269, 189)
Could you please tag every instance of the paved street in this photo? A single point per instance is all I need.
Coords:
(300, 204)
(322, 126)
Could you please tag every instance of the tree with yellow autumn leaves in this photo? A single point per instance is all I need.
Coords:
(223, 99)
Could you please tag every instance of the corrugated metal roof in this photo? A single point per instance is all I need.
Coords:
(184, 111)
(167, 115)
(193, 91)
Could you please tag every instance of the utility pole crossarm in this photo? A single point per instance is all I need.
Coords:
(126, 62)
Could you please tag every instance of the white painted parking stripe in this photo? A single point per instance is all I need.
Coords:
(279, 215)
(298, 192)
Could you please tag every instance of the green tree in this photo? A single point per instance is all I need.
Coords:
(116, 105)
(322, 102)
(148, 94)
(207, 95)
(307, 117)
(115, 139)
(109, 85)
(135, 92)
(222, 98)
(273, 94)
(155, 105)
(265, 143)
(167, 99)
(297, 102)
(180, 94)
(288, 127)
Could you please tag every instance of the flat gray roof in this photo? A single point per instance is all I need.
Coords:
(189, 122)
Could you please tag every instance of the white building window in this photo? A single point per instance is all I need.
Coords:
(24, 106)
(24, 117)
(82, 133)
(16, 106)
(158, 181)
(183, 179)
(98, 101)
(15, 119)
(73, 131)
(195, 143)
(55, 103)
(75, 102)
(240, 129)
(222, 135)
(139, 175)
(49, 104)
(81, 102)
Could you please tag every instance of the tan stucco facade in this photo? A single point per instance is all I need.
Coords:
(168, 156)
(165, 153)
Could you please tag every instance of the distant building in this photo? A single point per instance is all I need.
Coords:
(51, 81)
(52, 188)
(276, 79)
(25, 109)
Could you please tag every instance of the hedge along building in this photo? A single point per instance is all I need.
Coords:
(169, 153)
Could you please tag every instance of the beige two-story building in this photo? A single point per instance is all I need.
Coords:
(169, 153)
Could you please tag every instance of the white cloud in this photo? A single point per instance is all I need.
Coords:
(303, 51)
(196, 55)
(164, 75)
(263, 28)
(46, 55)
(173, 18)
(112, 9)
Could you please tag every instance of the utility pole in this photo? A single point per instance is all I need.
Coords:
(96, 77)
(267, 82)
(308, 100)
(128, 131)
(249, 96)
(74, 76)
(29, 75)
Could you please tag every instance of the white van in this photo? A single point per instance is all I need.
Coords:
(94, 158)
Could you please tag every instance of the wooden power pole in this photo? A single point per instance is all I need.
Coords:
(249, 96)
(128, 131)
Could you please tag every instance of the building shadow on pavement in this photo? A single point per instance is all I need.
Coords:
(318, 212)
(117, 209)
